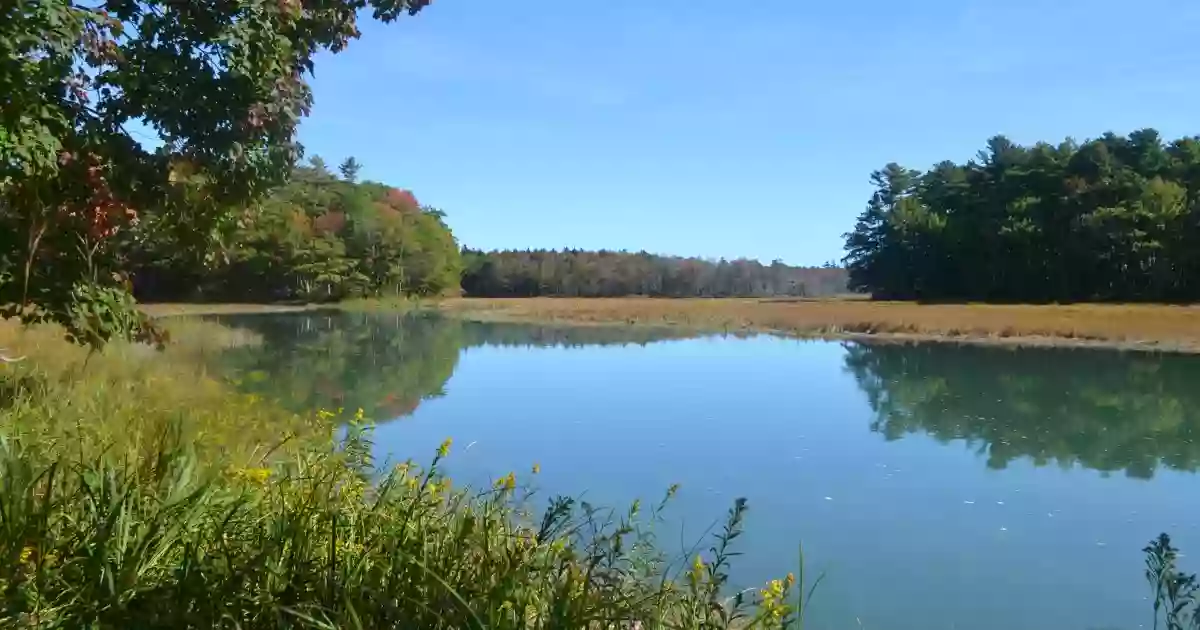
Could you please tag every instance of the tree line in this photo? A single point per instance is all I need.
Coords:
(317, 238)
(1114, 218)
(577, 273)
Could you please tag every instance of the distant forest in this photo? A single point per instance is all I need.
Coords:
(1115, 218)
(575, 273)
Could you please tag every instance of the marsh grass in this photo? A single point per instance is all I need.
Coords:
(127, 395)
(1137, 326)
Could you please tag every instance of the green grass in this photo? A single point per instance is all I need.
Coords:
(128, 394)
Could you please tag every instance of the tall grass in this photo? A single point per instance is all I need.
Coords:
(321, 540)
(129, 394)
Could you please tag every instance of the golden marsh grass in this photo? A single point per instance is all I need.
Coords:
(1131, 326)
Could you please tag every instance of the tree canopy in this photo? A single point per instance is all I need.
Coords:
(316, 239)
(1115, 218)
(579, 273)
(118, 109)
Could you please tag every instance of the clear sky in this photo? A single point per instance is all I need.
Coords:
(724, 128)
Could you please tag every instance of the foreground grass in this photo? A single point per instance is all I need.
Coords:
(1151, 327)
(320, 541)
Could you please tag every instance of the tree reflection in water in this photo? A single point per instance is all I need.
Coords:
(1104, 410)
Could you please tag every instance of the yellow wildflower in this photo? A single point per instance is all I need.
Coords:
(257, 475)
(26, 553)
(697, 572)
(325, 414)
(444, 449)
(537, 468)
(359, 415)
(507, 482)
(772, 603)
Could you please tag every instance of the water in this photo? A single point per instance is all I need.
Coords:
(935, 486)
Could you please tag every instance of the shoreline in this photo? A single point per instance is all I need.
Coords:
(1012, 342)
(177, 309)
(689, 315)
(1127, 328)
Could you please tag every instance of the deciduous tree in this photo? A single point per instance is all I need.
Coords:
(116, 109)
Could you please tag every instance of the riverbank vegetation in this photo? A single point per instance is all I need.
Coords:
(1132, 326)
(136, 491)
(1111, 219)
(577, 273)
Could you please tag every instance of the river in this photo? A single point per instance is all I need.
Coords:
(935, 486)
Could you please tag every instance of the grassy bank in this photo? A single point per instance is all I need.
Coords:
(1140, 327)
(176, 309)
(128, 396)
(139, 491)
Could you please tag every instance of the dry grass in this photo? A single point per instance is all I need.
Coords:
(1139, 326)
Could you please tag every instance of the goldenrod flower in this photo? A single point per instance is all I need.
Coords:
(697, 572)
(257, 475)
(444, 449)
(537, 468)
(359, 415)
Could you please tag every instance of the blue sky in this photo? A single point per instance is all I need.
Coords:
(726, 129)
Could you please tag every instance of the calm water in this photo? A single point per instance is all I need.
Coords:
(936, 486)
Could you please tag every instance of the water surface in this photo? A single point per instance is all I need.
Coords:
(936, 486)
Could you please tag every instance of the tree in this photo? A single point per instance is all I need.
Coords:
(221, 85)
(314, 239)
(350, 168)
(1115, 218)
